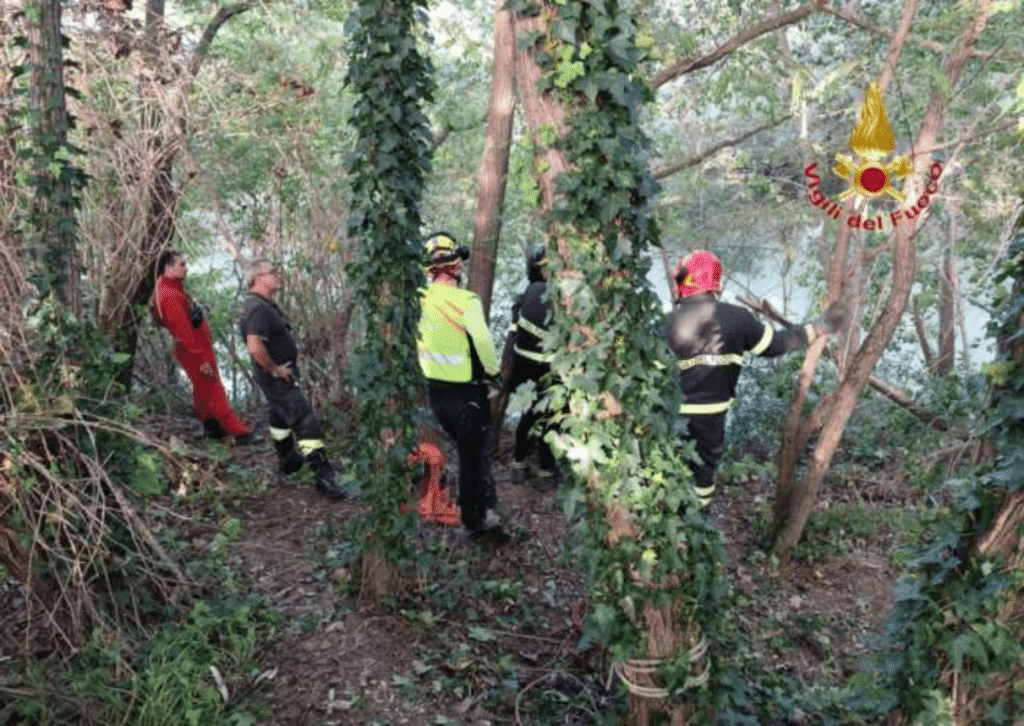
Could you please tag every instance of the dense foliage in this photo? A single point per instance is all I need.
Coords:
(956, 628)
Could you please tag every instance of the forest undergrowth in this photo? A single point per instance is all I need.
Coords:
(273, 630)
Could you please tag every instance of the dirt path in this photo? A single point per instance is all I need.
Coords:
(508, 633)
(338, 663)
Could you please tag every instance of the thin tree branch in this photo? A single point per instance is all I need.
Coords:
(210, 32)
(1006, 124)
(879, 31)
(696, 62)
(888, 390)
(707, 153)
(922, 336)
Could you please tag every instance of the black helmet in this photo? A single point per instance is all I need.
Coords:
(535, 263)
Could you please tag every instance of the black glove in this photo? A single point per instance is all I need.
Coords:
(195, 313)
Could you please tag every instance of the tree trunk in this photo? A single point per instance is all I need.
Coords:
(161, 210)
(922, 336)
(161, 200)
(791, 521)
(494, 164)
(12, 282)
(947, 314)
(131, 281)
(545, 117)
(53, 209)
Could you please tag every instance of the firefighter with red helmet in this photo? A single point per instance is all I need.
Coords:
(709, 338)
(458, 359)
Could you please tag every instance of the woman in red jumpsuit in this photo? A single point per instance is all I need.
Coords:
(193, 349)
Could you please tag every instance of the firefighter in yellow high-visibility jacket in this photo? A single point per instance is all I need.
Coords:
(457, 357)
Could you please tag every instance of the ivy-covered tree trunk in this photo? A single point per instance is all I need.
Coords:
(52, 231)
(11, 273)
(490, 196)
(655, 563)
(957, 629)
(391, 81)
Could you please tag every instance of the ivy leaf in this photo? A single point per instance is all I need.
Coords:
(966, 645)
(146, 473)
(908, 589)
(482, 635)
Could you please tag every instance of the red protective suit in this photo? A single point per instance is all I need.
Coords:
(193, 347)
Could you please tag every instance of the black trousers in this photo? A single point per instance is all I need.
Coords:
(465, 415)
(707, 430)
(289, 408)
(523, 370)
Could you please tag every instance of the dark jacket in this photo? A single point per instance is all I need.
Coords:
(709, 338)
(531, 316)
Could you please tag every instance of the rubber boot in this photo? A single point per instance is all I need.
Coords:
(290, 458)
(325, 482)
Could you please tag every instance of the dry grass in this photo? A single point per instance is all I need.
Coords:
(73, 539)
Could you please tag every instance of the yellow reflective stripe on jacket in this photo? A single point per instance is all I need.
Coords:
(706, 407)
(710, 359)
(279, 434)
(534, 330)
(533, 355)
(308, 446)
(766, 340)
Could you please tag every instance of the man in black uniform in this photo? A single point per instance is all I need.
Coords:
(710, 337)
(295, 429)
(531, 316)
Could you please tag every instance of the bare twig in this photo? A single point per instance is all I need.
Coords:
(707, 153)
(852, 19)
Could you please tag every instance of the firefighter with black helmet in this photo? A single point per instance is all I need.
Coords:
(531, 317)
(458, 359)
(709, 337)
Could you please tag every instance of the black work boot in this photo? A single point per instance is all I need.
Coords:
(489, 530)
(290, 458)
(325, 482)
(213, 429)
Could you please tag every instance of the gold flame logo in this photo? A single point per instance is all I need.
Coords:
(872, 141)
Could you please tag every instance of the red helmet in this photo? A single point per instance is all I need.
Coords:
(700, 271)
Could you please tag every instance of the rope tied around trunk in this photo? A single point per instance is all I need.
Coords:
(627, 671)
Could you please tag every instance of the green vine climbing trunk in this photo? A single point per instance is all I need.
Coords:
(52, 230)
(391, 80)
(654, 560)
